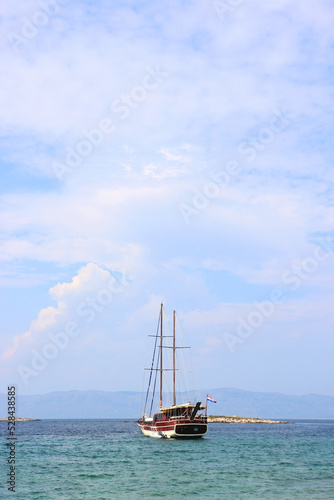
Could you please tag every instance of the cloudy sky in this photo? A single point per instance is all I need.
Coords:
(177, 152)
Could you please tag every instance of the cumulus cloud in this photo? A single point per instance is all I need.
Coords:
(79, 302)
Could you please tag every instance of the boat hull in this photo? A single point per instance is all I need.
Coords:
(179, 430)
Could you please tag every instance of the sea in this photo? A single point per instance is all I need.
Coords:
(111, 459)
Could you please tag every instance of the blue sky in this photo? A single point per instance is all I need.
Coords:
(179, 152)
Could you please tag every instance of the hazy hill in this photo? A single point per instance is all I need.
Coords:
(103, 404)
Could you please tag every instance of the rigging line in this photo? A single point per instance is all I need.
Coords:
(142, 394)
(183, 375)
(183, 386)
(142, 389)
(152, 365)
(155, 382)
(156, 370)
(191, 375)
(167, 379)
(185, 339)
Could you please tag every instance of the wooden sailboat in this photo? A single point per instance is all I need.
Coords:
(175, 421)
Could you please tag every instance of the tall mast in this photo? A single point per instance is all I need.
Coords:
(174, 349)
(161, 339)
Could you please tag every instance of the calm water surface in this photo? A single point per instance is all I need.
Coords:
(108, 459)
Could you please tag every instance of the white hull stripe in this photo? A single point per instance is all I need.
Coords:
(154, 432)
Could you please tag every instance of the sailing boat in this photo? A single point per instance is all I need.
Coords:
(175, 421)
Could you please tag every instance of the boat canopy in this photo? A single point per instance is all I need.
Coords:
(185, 405)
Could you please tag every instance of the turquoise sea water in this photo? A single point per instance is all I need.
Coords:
(107, 459)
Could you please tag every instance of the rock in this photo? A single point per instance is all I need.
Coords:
(241, 420)
(19, 419)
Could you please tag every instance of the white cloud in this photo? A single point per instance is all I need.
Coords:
(79, 301)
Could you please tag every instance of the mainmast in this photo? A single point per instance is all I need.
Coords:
(161, 339)
(174, 349)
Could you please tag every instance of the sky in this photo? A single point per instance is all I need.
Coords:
(177, 152)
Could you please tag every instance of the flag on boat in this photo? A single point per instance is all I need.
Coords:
(209, 398)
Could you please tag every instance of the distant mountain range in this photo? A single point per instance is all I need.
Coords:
(103, 404)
